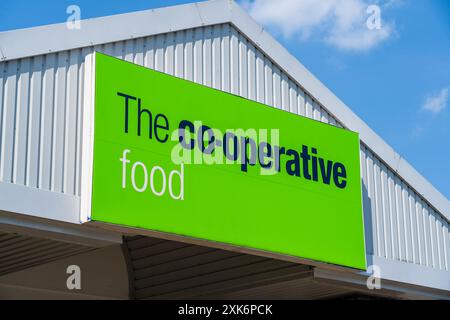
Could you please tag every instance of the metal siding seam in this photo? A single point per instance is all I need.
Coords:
(189, 55)
(118, 51)
(316, 110)
(71, 124)
(169, 57)
(129, 50)
(285, 99)
(400, 220)
(293, 97)
(59, 112)
(446, 244)
(225, 57)
(149, 46)
(2, 108)
(384, 210)
(308, 107)
(21, 122)
(420, 236)
(234, 61)
(268, 86)
(392, 217)
(198, 55)
(426, 235)
(367, 214)
(207, 57)
(34, 122)
(405, 204)
(47, 122)
(80, 111)
(9, 115)
(432, 239)
(378, 207)
(438, 241)
(251, 71)
(216, 57)
(276, 82)
(301, 102)
(412, 210)
(243, 76)
(139, 55)
(179, 54)
(259, 76)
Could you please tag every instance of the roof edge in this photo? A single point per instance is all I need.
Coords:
(29, 42)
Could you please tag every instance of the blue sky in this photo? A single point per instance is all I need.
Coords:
(396, 78)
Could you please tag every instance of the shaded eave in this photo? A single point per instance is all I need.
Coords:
(29, 42)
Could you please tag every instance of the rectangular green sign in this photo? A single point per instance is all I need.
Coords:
(177, 157)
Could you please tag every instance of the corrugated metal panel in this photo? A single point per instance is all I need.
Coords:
(41, 110)
(404, 227)
(172, 270)
(40, 121)
(18, 252)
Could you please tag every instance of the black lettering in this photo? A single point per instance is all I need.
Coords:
(150, 120)
(245, 160)
(315, 173)
(265, 151)
(127, 98)
(339, 175)
(326, 172)
(293, 165)
(182, 127)
(305, 162)
(209, 149)
(164, 126)
(226, 146)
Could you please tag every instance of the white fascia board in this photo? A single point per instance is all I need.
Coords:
(34, 41)
(29, 42)
(411, 273)
(39, 203)
(408, 280)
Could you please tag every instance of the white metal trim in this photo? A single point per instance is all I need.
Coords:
(395, 288)
(39, 203)
(411, 273)
(88, 139)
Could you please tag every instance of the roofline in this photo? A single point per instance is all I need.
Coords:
(53, 38)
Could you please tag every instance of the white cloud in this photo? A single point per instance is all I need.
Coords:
(437, 103)
(340, 23)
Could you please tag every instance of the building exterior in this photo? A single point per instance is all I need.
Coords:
(45, 87)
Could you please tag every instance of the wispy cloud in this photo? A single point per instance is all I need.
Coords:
(436, 103)
(340, 23)
(433, 104)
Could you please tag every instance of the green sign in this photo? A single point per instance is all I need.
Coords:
(177, 157)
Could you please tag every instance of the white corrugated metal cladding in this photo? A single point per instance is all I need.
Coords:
(41, 99)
